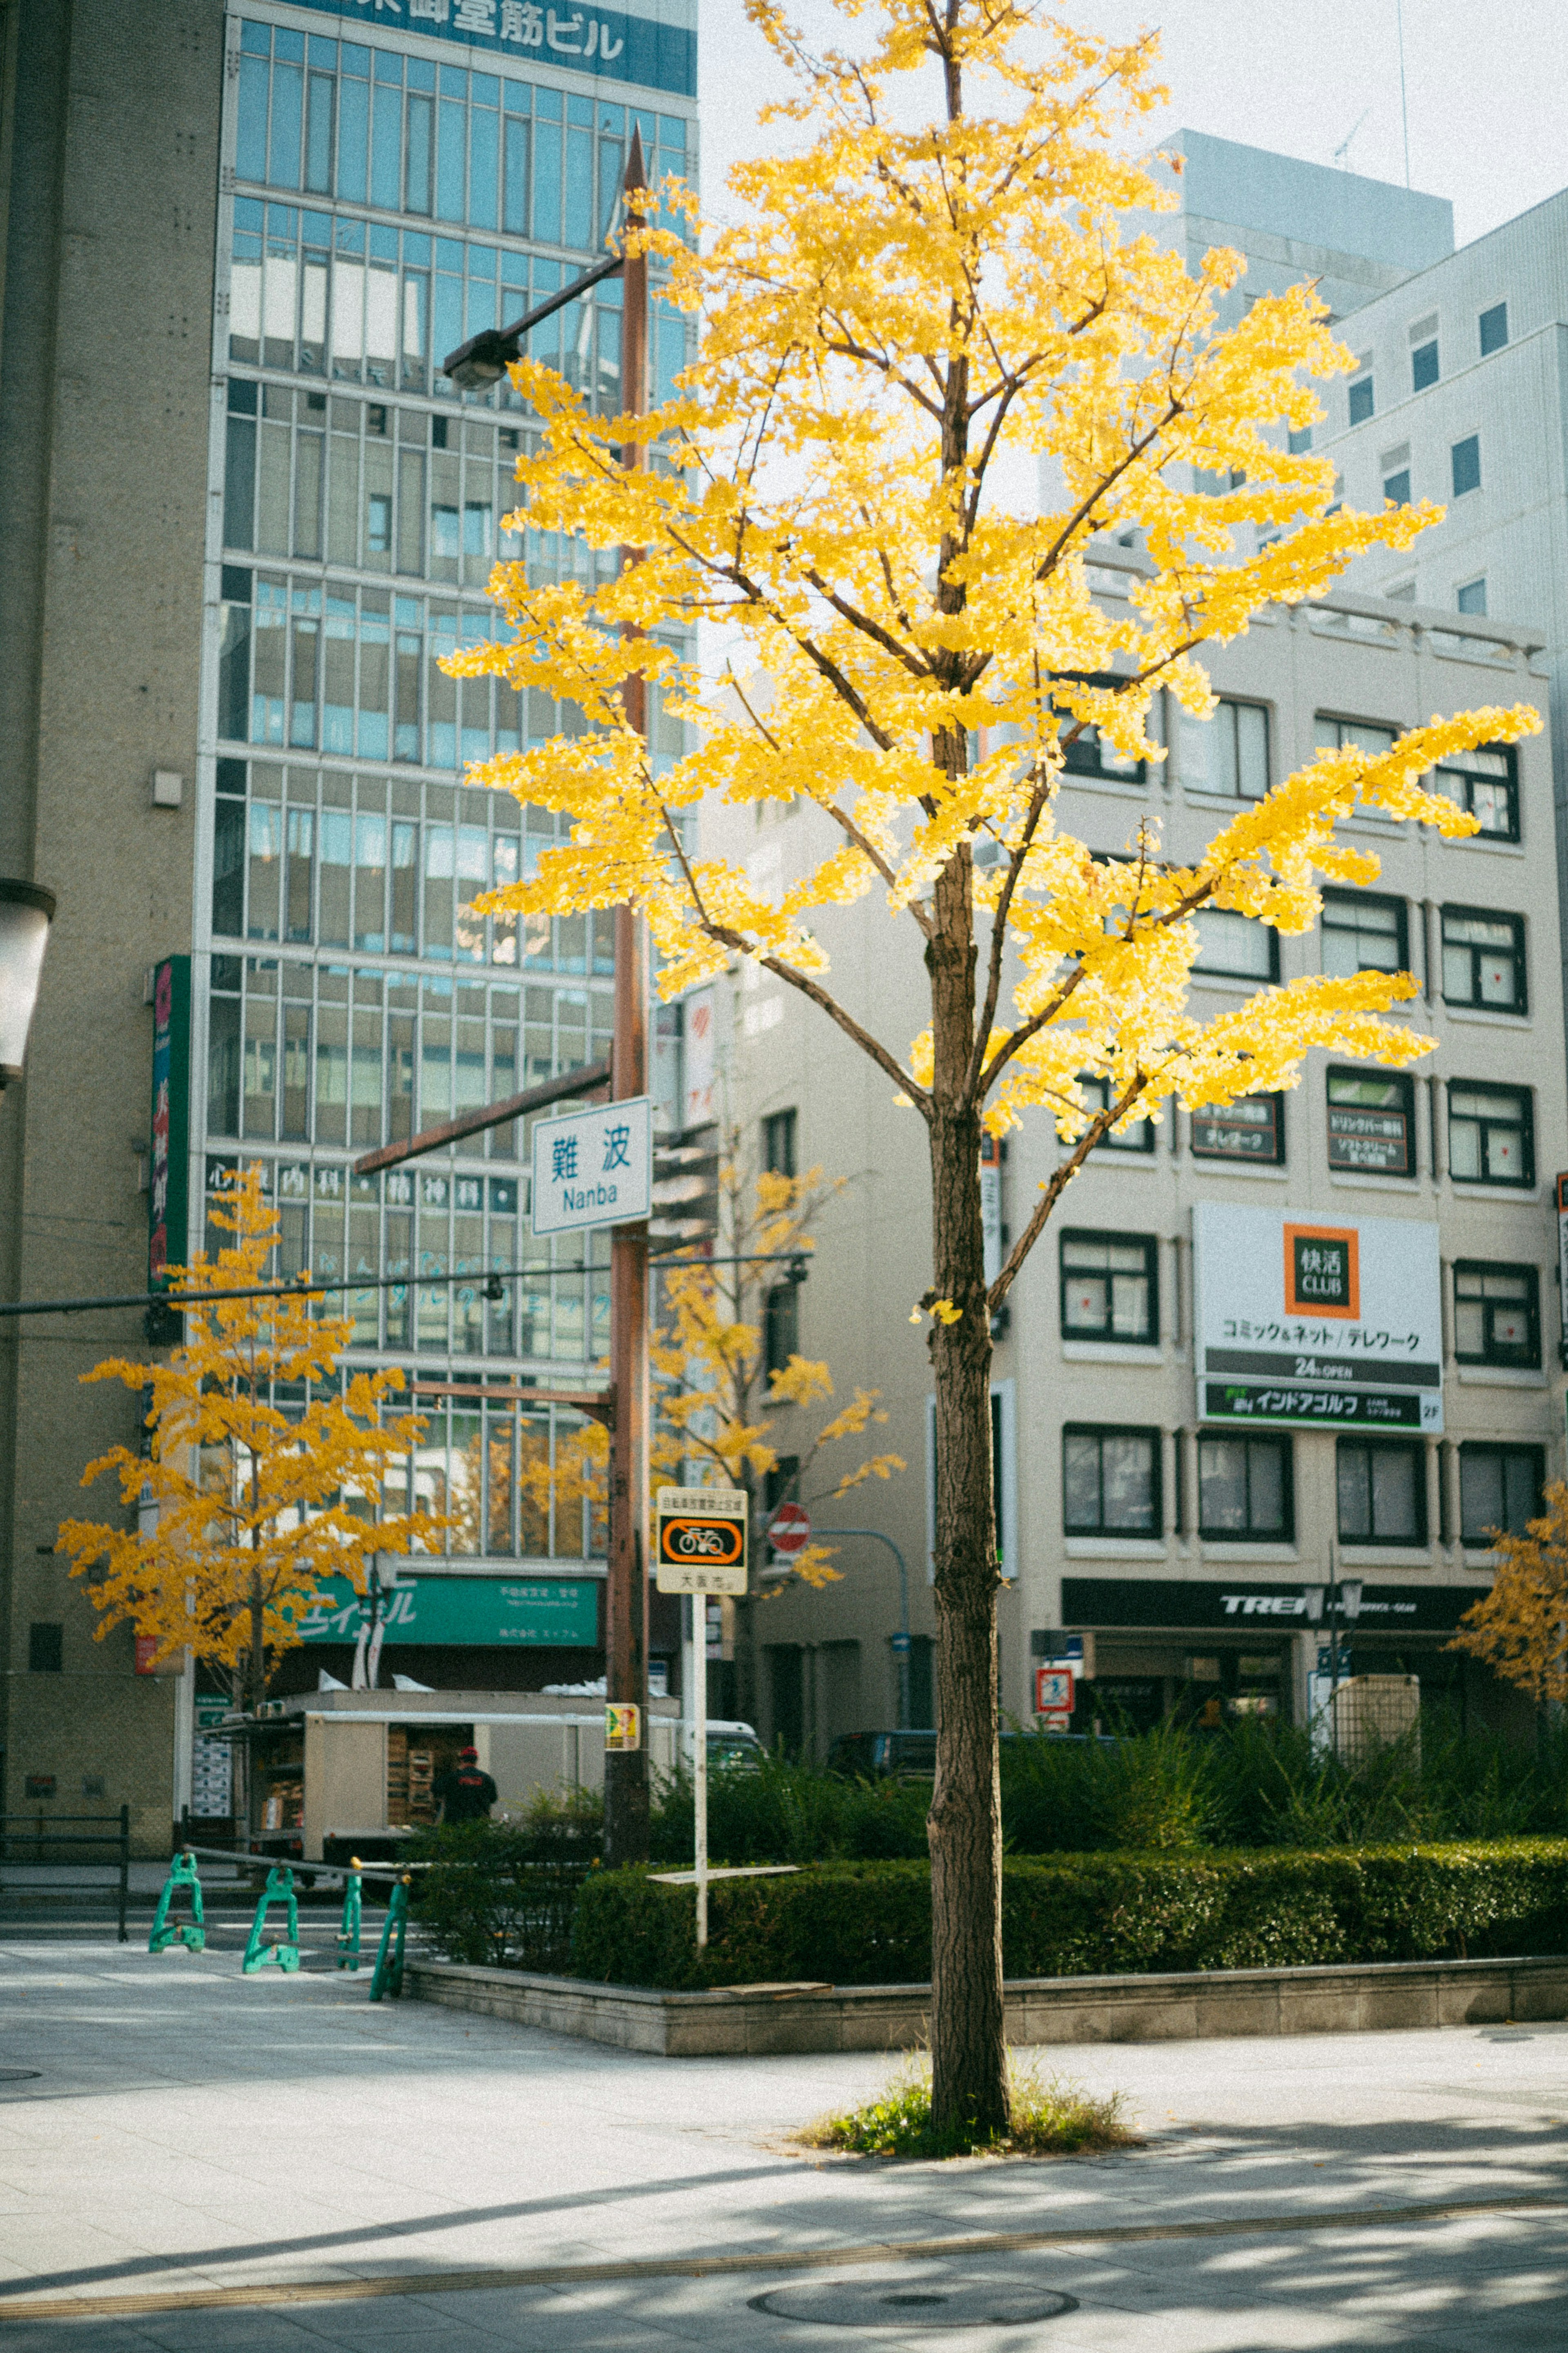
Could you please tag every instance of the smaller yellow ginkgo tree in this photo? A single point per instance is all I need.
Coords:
(244, 1506)
(1521, 1630)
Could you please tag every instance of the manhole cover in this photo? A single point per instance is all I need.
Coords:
(19, 2074)
(898, 2303)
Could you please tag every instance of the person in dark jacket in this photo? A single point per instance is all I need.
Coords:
(465, 1795)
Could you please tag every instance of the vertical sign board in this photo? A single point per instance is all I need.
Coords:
(702, 1540)
(1562, 1259)
(169, 1184)
(1304, 1323)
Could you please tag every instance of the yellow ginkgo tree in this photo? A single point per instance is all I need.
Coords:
(953, 267)
(1520, 1627)
(243, 1506)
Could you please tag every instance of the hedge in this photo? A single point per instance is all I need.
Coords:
(1088, 1915)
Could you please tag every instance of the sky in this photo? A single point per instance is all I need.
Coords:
(1484, 83)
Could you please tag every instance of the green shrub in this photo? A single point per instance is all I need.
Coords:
(870, 1923)
(1046, 2118)
(505, 1894)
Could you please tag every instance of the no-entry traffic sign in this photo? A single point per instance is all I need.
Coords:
(789, 1530)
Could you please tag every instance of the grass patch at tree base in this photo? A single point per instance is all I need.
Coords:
(1047, 2117)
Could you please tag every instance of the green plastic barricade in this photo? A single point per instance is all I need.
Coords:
(285, 1953)
(348, 1930)
(170, 1935)
(389, 1976)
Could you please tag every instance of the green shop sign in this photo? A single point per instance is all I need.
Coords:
(472, 1609)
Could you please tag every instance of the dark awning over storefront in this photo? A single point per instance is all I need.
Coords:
(1245, 1605)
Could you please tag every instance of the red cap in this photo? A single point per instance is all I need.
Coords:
(469, 1751)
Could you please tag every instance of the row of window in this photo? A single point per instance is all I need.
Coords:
(1491, 336)
(357, 672)
(1230, 754)
(300, 1053)
(1372, 1128)
(1482, 948)
(387, 867)
(1112, 1486)
(403, 135)
(1110, 1291)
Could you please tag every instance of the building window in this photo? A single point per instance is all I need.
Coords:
(1491, 1134)
(1086, 753)
(781, 1326)
(1483, 959)
(1382, 1493)
(1252, 1129)
(1497, 1314)
(1371, 1123)
(1485, 782)
(1500, 1491)
(1472, 598)
(1494, 329)
(1111, 1480)
(1235, 944)
(1361, 934)
(46, 1649)
(1228, 753)
(1359, 735)
(1245, 1489)
(1137, 1138)
(1466, 456)
(1424, 366)
(1110, 1286)
(1396, 487)
(778, 1144)
(1361, 399)
(1300, 440)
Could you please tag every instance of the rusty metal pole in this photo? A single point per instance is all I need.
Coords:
(626, 1599)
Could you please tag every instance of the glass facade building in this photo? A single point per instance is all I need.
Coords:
(397, 179)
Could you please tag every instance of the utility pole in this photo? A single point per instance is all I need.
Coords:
(626, 1598)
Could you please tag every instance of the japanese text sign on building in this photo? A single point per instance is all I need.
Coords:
(599, 41)
(168, 1211)
(593, 1167)
(701, 1541)
(1307, 1323)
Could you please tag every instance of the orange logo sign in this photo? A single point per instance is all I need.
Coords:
(1322, 1272)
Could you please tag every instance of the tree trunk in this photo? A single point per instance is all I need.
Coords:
(969, 2065)
(258, 1664)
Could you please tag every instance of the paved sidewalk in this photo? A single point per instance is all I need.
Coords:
(190, 2131)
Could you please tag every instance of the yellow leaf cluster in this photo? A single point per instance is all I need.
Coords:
(240, 1508)
(1521, 1630)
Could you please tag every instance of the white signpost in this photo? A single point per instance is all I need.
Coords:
(1312, 1321)
(700, 1549)
(593, 1167)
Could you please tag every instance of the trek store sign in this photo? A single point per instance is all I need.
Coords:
(1306, 1324)
(1108, 1603)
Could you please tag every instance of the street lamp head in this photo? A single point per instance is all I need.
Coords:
(1350, 1598)
(26, 914)
(482, 360)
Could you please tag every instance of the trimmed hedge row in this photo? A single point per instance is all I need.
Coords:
(1088, 1915)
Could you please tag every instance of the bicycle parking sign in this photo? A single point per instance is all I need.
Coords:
(701, 1544)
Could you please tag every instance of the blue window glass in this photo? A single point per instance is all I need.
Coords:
(481, 261)
(1360, 400)
(484, 160)
(389, 68)
(240, 476)
(324, 53)
(416, 249)
(421, 75)
(250, 153)
(451, 174)
(612, 173)
(316, 229)
(353, 140)
(672, 133)
(514, 270)
(447, 331)
(482, 308)
(547, 105)
(416, 181)
(1467, 462)
(671, 353)
(514, 203)
(289, 44)
(547, 180)
(256, 40)
(517, 96)
(356, 60)
(386, 150)
(581, 110)
(454, 83)
(372, 737)
(579, 217)
(283, 154)
(318, 134)
(614, 119)
(1494, 330)
(384, 244)
(1424, 366)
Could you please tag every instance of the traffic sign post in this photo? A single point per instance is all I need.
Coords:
(1053, 1690)
(593, 1167)
(700, 1549)
(789, 1530)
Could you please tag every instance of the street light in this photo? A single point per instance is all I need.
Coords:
(26, 914)
(485, 358)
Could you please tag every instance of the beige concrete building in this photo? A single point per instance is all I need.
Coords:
(1175, 1465)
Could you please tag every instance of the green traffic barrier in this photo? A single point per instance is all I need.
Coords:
(348, 1927)
(285, 1953)
(171, 1935)
(388, 1976)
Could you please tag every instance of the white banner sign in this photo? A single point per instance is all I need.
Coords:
(593, 1167)
(1312, 1321)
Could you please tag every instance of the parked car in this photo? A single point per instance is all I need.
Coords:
(732, 1745)
(863, 1756)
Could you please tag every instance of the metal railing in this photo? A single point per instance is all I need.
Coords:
(23, 1838)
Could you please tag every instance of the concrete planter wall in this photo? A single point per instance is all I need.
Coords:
(1172, 2009)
